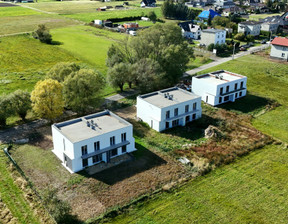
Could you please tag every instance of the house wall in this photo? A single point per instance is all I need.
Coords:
(269, 27)
(74, 151)
(280, 52)
(212, 91)
(213, 38)
(249, 29)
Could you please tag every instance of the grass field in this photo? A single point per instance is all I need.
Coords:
(252, 190)
(12, 196)
(16, 11)
(256, 17)
(25, 60)
(112, 14)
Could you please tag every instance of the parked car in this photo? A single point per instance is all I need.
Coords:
(263, 41)
(243, 48)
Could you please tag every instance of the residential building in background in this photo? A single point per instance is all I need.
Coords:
(92, 139)
(279, 48)
(168, 108)
(190, 31)
(250, 28)
(219, 87)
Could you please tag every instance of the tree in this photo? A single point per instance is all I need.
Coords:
(250, 38)
(42, 33)
(47, 99)
(5, 109)
(220, 21)
(62, 70)
(81, 88)
(152, 16)
(239, 36)
(21, 103)
(209, 21)
(117, 75)
(210, 47)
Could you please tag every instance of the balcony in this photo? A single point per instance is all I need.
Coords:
(181, 115)
(234, 91)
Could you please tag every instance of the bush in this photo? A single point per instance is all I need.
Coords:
(42, 33)
(210, 47)
(250, 38)
(240, 36)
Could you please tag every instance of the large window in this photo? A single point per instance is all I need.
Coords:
(114, 152)
(84, 162)
(123, 137)
(167, 114)
(236, 86)
(124, 148)
(176, 112)
(175, 123)
(97, 158)
(84, 150)
(96, 146)
(221, 90)
(194, 106)
(220, 99)
(112, 140)
(240, 93)
(193, 116)
(241, 85)
(226, 98)
(227, 89)
(186, 108)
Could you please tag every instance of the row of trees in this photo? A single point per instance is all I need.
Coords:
(154, 59)
(177, 11)
(17, 103)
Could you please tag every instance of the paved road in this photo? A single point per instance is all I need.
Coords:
(222, 60)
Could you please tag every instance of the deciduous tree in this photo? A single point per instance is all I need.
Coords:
(47, 99)
(21, 103)
(117, 75)
(5, 109)
(42, 33)
(61, 70)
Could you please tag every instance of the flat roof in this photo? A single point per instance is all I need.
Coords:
(212, 30)
(220, 77)
(168, 97)
(90, 126)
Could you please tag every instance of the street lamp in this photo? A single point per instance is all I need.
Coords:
(233, 51)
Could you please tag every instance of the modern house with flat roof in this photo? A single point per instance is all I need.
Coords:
(279, 48)
(92, 139)
(168, 108)
(219, 87)
(250, 28)
(213, 36)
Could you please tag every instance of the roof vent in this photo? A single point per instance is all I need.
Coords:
(217, 76)
(93, 127)
(171, 97)
(165, 95)
(88, 124)
(92, 122)
(221, 77)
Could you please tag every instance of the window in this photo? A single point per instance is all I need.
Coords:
(84, 162)
(96, 146)
(236, 95)
(220, 99)
(97, 158)
(114, 152)
(240, 94)
(241, 85)
(194, 106)
(227, 89)
(193, 116)
(283, 55)
(186, 108)
(221, 90)
(123, 137)
(175, 123)
(84, 150)
(167, 125)
(167, 114)
(236, 86)
(124, 148)
(187, 119)
(226, 98)
(176, 112)
(112, 140)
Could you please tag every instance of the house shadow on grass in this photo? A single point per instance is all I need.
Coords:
(143, 159)
(249, 104)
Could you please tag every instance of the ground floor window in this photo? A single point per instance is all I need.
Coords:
(167, 125)
(220, 99)
(114, 152)
(193, 116)
(84, 162)
(226, 98)
(236, 95)
(240, 93)
(175, 123)
(97, 158)
(187, 119)
(124, 148)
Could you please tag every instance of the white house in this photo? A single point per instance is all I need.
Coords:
(92, 139)
(168, 108)
(279, 48)
(190, 31)
(213, 36)
(219, 87)
(250, 28)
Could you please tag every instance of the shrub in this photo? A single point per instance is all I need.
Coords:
(210, 47)
(239, 36)
(42, 33)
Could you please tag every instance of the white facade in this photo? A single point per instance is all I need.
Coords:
(279, 51)
(213, 36)
(269, 27)
(250, 28)
(168, 108)
(193, 33)
(92, 139)
(219, 87)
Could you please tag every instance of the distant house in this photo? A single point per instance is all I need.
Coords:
(250, 28)
(213, 36)
(279, 48)
(168, 108)
(224, 4)
(233, 10)
(219, 87)
(148, 3)
(130, 25)
(190, 31)
(204, 15)
(92, 139)
(280, 22)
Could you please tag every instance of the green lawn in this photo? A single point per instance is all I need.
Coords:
(12, 195)
(112, 14)
(262, 16)
(16, 11)
(197, 62)
(25, 60)
(252, 190)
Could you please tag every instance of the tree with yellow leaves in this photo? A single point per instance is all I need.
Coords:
(47, 99)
